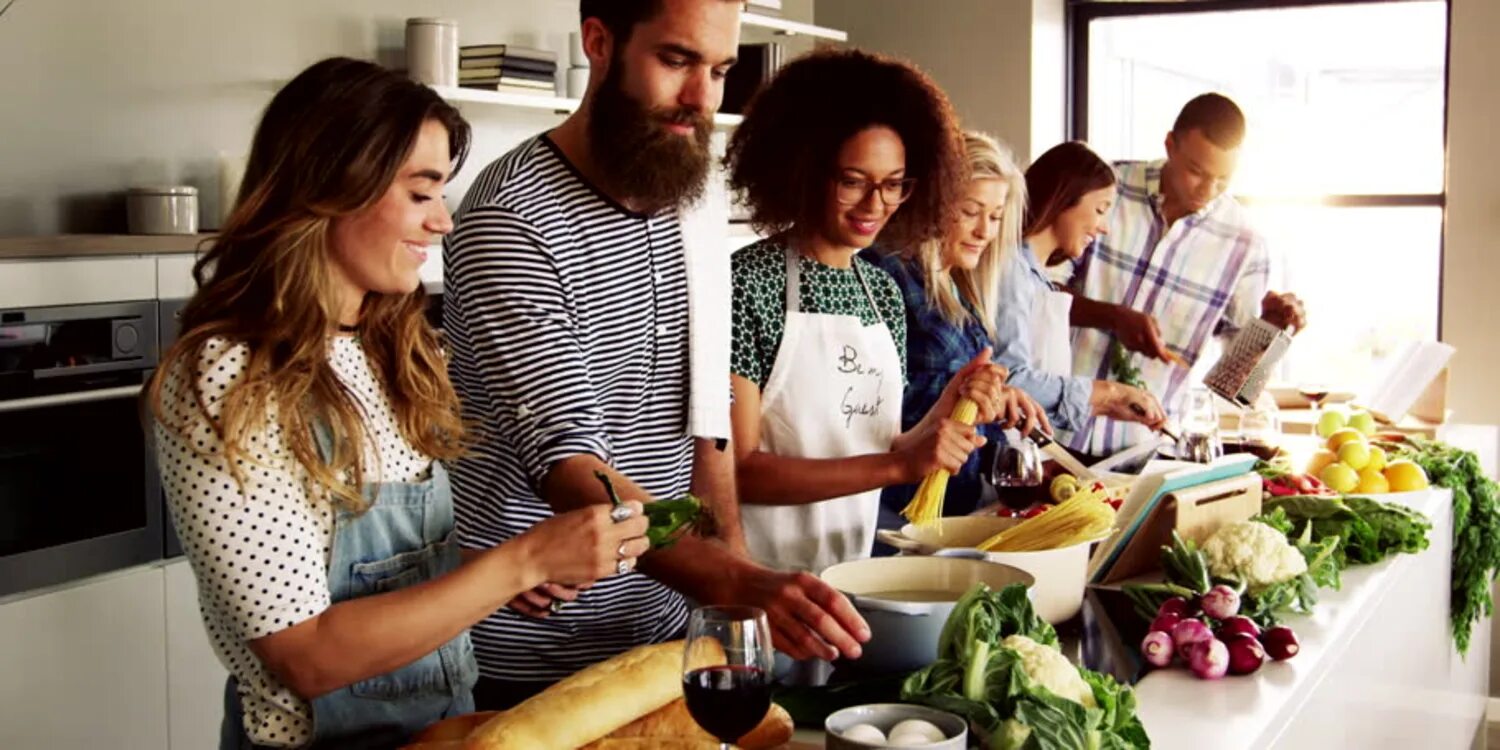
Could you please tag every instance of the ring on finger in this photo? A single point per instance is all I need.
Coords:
(620, 552)
(624, 566)
(555, 606)
(620, 513)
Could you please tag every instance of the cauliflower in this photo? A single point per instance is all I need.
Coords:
(1049, 668)
(1254, 554)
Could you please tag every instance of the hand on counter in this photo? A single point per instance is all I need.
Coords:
(809, 619)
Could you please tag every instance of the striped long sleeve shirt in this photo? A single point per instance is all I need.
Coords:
(567, 322)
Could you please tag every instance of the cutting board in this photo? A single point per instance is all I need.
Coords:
(1194, 512)
(1201, 510)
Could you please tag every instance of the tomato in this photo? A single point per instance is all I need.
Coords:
(1035, 510)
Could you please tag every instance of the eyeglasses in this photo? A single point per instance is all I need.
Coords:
(853, 191)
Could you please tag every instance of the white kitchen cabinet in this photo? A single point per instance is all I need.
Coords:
(195, 678)
(85, 667)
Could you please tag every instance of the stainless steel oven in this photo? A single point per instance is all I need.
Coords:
(79, 493)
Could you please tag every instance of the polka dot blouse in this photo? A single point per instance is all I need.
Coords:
(260, 552)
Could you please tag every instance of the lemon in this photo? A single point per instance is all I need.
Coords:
(1377, 459)
(1372, 482)
(1363, 421)
(1320, 460)
(1339, 478)
(1343, 436)
(1331, 421)
(1355, 454)
(1405, 476)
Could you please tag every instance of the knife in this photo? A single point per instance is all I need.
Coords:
(1061, 455)
(1140, 412)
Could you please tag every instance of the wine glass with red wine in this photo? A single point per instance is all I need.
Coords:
(1316, 394)
(726, 670)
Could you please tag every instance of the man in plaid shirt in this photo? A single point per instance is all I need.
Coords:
(1180, 265)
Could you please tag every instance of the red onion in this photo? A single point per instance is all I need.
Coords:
(1157, 648)
(1175, 605)
(1208, 659)
(1237, 625)
(1189, 632)
(1164, 622)
(1281, 643)
(1245, 654)
(1220, 603)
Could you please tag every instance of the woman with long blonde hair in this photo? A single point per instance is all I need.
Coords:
(949, 285)
(301, 420)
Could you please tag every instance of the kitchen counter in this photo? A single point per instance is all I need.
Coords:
(97, 245)
(1377, 668)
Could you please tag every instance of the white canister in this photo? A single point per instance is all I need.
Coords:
(576, 56)
(432, 51)
(578, 82)
(162, 210)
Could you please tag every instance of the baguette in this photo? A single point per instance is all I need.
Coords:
(652, 743)
(674, 721)
(594, 702)
(456, 728)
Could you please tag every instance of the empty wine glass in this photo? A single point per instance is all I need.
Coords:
(1260, 429)
(1018, 463)
(1199, 441)
(726, 670)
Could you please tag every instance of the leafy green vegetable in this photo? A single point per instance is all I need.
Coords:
(1476, 529)
(1368, 530)
(667, 520)
(1121, 366)
(979, 678)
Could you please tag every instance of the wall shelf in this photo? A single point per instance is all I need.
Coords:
(555, 104)
(785, 26)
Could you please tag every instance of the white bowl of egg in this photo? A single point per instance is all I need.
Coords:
(895, 725)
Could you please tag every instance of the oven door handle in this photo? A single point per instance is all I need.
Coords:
(64, 399)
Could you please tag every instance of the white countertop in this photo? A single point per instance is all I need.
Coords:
(1377, 668)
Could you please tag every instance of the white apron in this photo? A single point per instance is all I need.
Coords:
(834, 392)
(1051, 333)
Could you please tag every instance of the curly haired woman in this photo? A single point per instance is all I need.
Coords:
(840, 148)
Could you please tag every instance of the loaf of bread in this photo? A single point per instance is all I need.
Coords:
(594, 702)
(674, 721)
(652, 743)
(456, 728)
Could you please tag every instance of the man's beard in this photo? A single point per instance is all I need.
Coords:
(642, 161)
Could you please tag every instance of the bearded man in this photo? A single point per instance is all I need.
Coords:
(566, 314)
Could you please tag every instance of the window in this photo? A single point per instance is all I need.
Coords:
(1342, 167)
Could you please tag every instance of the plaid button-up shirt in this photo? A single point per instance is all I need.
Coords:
(1200, 278)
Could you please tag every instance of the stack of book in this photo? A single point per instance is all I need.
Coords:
(508, 67)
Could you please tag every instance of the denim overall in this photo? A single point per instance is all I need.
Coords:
(405, 538)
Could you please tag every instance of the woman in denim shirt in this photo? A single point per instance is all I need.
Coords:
(948, 285)
(1070, 191)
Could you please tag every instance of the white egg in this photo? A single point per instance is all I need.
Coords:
(867, 733)
(916, 732)
(909, 739)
